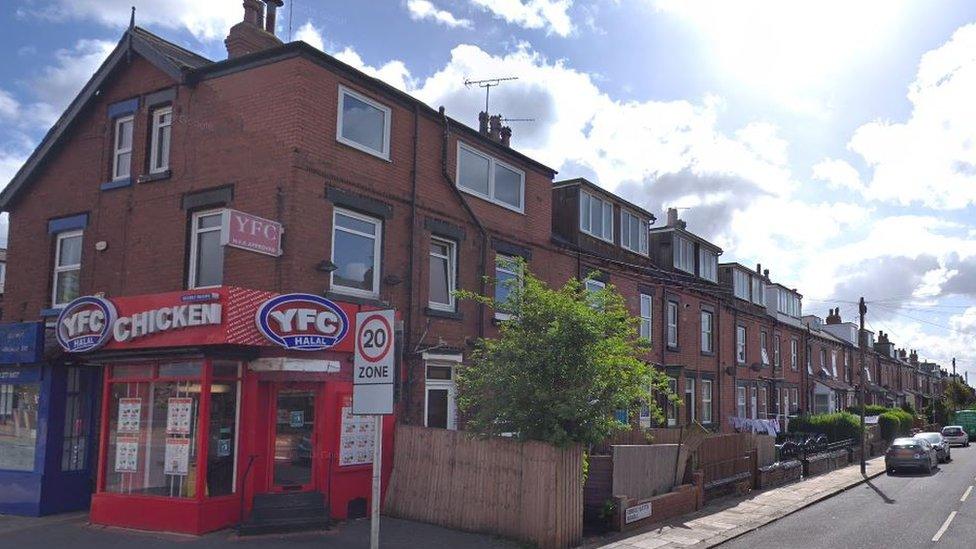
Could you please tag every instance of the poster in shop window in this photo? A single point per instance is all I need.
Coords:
(177, 456)
(179, 411)
(356, 441)
(130, 410)
(126, 454)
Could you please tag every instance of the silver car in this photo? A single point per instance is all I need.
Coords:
(942, 450)
(955, 434)
(915, 453)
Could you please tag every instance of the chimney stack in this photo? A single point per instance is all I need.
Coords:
(766, 274)
(483, 123)
(672, 217)
(255, 32)
(506, 136)
(834, 316)
(495, 127)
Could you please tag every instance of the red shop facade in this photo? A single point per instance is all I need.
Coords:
(212, 397)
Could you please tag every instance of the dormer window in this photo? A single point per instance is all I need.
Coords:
(758, 291)
(740, 284)
(788, 303)
(596, 217)
(633, 232)
(708, 265)
(684, 254)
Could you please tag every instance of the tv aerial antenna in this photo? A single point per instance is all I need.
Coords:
(488, 84)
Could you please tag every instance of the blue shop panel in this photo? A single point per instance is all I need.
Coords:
(21, 343)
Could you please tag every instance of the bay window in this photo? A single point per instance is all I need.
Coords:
(758, 291)
(356, 245)
(740, 284)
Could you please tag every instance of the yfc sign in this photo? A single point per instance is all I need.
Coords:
(302, 322)
(252, 233)
(89, 322)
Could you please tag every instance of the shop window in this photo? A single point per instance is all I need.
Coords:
(443, 274)
(18, 425)
(77, 420)
(206, 251)
(67, 267)
(162, 126)
(356, 253)
(155, 430)
(440, 409)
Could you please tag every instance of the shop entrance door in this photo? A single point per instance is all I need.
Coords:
(294, 439)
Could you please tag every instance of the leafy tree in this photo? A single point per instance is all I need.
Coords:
(565, 361)
(959, 396)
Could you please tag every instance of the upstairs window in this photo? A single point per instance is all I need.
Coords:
(443, 274)
(672, 324)
(740, 284)
(758, 291)
(206, 251)
(507, 276)
(122, 150)
(740, 344)
(763, 340)
(596, 217)
(67, 268)
(363, 124)
(684, 254)
(645, 317)
(592, 287)
(483, 176)
(794, 348)
(162, 125)
(3, 276)
(777, 361)
(633, 232)
(706, 332)
(356, 249)
(708, 265)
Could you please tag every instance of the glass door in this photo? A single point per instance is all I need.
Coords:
(294, 438)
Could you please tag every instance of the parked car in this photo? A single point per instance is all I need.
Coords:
(955, 434)
(915, 453)
(942, 450)
(966, 419)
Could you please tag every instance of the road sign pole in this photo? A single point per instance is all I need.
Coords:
(374, 520)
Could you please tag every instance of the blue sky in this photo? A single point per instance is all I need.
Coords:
(832, 141)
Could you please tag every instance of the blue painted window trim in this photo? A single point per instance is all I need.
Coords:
(117, 184)
(47, 313)
(72, 223)
(123, 108)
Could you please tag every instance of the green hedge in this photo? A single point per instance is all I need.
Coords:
(895, 423)
(869, 410)
(837, 426)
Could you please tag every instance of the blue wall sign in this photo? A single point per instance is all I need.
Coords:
(17, 374)
(21, 343)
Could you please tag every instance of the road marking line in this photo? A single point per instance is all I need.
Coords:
(966, 495)
(945, 526)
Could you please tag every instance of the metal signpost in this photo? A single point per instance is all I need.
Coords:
(372, 392)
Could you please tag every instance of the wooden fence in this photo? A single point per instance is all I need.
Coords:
(726, 458)
(529, 491)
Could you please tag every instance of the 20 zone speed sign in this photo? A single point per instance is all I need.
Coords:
(373, 372)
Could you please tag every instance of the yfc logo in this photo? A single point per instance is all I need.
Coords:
(303, 322)
(85, 324)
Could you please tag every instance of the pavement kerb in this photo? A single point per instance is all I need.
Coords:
(705, 544)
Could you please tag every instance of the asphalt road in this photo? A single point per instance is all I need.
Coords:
(890, 511)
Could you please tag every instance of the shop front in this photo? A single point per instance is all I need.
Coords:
(211, 398)
(46, 417)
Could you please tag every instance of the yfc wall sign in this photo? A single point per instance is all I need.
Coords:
(252, 233)
(90, 322)
(302, 322)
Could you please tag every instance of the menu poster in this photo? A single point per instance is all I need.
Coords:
(177, 456)
(179, 412)
(356, 439)
(130, 410)
(126, 454)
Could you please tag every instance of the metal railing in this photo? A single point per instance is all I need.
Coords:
(801, 445)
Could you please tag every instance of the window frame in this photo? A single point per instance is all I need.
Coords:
(648, 319)
(706, 415)
(712, 261)
(764, 347)
(387, 123)
(451, 259)
(59, 269)
(679, 243)
(450, 385)
(710, 332)
(157, 126)
(777, 351)
(605, 223)
(377, 253)
(672, 306)
(690, 393)
(515, 272)
(740, 401)
(492, 161)
(191, 280)
(741, 334)
(116, 151)
(642, 237)
(741, 279)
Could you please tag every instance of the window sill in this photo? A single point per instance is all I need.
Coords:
(440, 313)
(708, 353)
(487, 198)
(151, 177)
(358, 300)
(363, 148)
(116, 184)
(673, 348)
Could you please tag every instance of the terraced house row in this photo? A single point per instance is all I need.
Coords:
(169, 226)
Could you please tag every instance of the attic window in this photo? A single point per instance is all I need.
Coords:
(122, 151)
(363, 124)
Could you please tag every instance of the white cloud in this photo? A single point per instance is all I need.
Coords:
(929, 159)
(424, 9)
(310, 34)
(207, 20)
(838, 174)
(552, 15)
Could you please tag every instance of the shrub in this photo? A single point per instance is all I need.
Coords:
(909, 408)
(837, 426)
(895, 423)
(869, 410)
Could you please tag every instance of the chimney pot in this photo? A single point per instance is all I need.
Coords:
(758, 268)
(765, 273)
(506, 136)
(483, 123)
(495, 127)
(271, 14)
(672, 217)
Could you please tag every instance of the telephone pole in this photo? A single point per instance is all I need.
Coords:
(862, 309)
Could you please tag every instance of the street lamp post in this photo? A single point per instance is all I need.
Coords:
(862, 309)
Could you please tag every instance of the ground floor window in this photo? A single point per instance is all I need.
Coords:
(690, 400)
(156, 435)
(706, 401)
(821, 403)
(77, 419)
(740, 401)
(440, 408)
(19, 404)
(752, 402)
(763, 413)
(671, 410)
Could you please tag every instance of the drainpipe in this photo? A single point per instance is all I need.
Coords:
(411, 304)
(467, 207)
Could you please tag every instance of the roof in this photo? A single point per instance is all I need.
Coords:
(178, 55)
(831, 383)
(689, 234)
(582, 181)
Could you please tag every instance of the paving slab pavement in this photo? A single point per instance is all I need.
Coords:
(728, 518)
